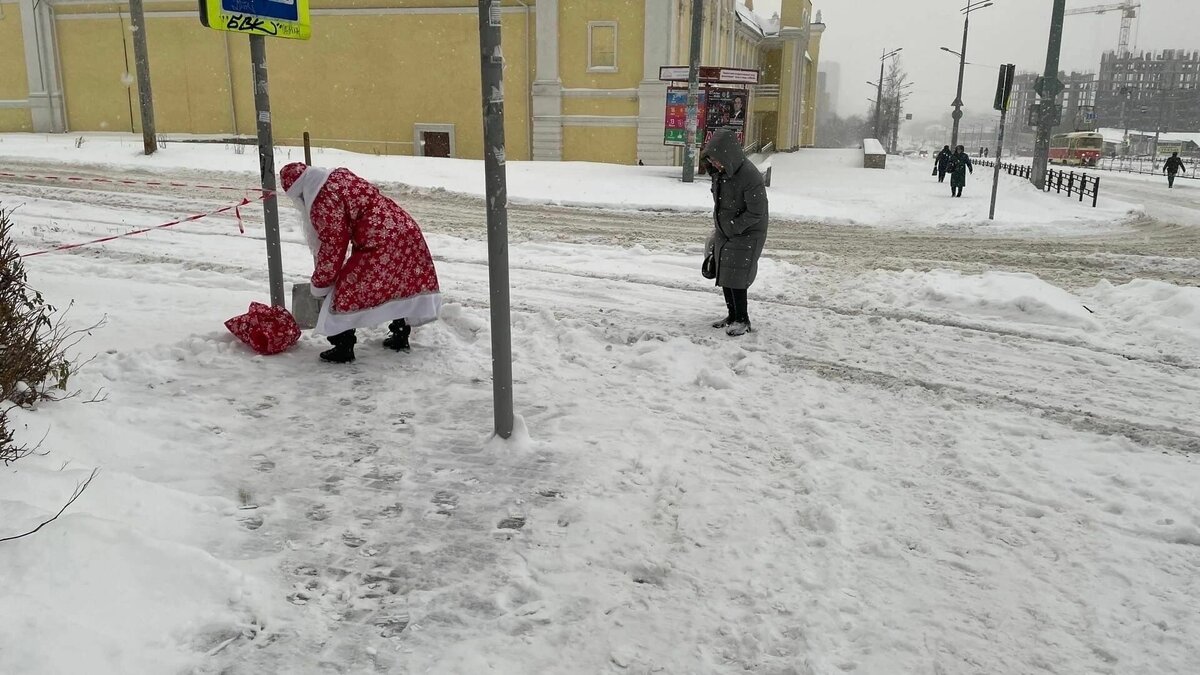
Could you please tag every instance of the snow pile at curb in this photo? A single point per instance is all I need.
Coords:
(992, 296)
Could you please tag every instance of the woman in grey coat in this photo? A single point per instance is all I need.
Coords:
(740, 220)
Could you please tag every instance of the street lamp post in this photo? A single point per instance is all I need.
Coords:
(972, 5)
(879, 93)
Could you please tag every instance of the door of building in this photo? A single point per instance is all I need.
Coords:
(436, 143)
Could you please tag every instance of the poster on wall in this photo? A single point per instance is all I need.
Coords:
(727, 109)
(718, 109)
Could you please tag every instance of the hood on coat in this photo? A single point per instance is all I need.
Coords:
(303, 184)
(725, 149)
(291, 173)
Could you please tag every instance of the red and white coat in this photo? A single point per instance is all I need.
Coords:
(389, 274)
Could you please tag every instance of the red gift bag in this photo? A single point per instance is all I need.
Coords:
(266, 330)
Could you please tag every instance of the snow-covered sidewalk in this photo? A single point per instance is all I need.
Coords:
(898, 472)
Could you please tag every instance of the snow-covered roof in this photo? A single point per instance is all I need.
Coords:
(764, 26)
(1185, 137)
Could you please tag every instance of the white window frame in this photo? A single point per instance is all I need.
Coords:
(419, 137)
(616, 47)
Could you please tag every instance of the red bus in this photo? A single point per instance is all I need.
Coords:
(1081, 148)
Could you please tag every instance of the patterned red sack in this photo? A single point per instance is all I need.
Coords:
(266, 330)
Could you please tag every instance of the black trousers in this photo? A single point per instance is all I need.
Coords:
(1170, 179)
(941, 176)
(735, 300)
(350, 338)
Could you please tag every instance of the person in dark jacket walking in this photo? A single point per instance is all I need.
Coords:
(740, 225)
(1173, 166)
(960, 163)
(941, 164)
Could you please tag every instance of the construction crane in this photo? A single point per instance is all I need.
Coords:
(1128, 14)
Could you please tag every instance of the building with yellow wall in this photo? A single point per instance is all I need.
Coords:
(402, 76)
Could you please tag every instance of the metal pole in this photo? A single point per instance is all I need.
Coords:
(693, 97)
(962, 67)
(1162, 107)
(879, 95)
(307, 149)
(997, 160)
(896, 126)
(266, 163)
(141, 56)
(491, 65)
(1041, 149)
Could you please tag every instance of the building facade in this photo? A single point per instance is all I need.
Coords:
(1150, 90)
(402, 76)
(1076, 102)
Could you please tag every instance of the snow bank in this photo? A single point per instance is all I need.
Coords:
(1002, 297)
(1152, 311)
(810, 185)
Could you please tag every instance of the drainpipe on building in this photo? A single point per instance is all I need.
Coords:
(229, 78)
(528, 81)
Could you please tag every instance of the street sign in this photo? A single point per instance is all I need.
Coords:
(710, 75)
(1003, 89)
(1004, 86)
(270, 18)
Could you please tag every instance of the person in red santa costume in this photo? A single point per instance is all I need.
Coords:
(389, 275)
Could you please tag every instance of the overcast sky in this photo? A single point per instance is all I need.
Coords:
(1011, 31)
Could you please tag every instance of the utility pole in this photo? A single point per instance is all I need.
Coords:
(879, 90)
(1047, 93)
(879, 95)
(141, 55)
(266, 164)
(962, 69)
(496, 180)
(693, 96)
(971, 6)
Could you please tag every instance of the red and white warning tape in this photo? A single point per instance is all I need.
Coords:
(236, 208)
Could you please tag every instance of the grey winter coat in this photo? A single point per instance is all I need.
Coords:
(739, 212)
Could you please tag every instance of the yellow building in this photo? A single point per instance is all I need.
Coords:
(402, 76)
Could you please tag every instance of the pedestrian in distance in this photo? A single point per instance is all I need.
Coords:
(740, 217)
(960, 163)
(389, 275)
(1172, 166)
(941, 163)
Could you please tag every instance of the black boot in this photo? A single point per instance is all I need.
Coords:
(740, 324)
(739, 328)
(731, 311)
(343, 348)
(398, 340)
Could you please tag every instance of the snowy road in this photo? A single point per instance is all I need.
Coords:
(866, 484)
(1165, 250)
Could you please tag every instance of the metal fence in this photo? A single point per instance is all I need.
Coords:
(1148, 165)
(1057, 180)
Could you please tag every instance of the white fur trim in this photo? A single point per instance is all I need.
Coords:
(304, 192)
(416, 310)
(320, 292)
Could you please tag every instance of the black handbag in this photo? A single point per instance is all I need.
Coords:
(708, 269)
